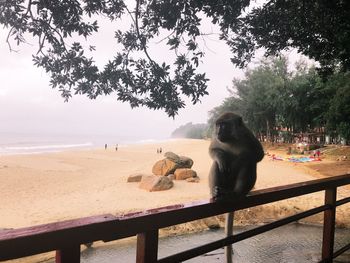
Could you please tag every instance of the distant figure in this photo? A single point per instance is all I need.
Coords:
(116, 147)
(106, 146)
(318, 153)
(160, 150)
(157, 150)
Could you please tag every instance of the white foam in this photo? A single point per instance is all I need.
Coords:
(42, 148)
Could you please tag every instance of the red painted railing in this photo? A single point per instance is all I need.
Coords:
(66, 237)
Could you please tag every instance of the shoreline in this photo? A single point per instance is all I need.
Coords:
(44, 188)
(38, 147)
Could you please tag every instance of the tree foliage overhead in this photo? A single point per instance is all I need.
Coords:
(319, 29)
(272, 99)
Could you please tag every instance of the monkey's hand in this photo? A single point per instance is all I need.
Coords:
(221, 160)
(224, 167)
(221, 194)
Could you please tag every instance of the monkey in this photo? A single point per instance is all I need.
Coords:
(235, 152)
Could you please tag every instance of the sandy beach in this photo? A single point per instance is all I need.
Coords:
(43, 188)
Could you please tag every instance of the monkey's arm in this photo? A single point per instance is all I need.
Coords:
(259, 152)
(246, 179)
(239, 183)
(223, 160)
(256, 149)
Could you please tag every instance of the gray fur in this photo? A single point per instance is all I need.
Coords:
(235, 152)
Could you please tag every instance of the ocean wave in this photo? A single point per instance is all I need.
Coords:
(41, 148)
(44, 147)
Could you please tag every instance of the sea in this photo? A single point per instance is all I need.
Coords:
(35, 143)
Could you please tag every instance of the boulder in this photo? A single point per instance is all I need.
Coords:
(193, 179)
(155, 183)
(172, 156)
(134, 178)
(171, 162)
(185, 162)
(184, 173)
(171, 177)
(181, 161)
(164, 167)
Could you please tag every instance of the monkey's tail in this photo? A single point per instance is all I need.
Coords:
(229, 232)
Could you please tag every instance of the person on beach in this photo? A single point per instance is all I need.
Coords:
(116, 147)
(106, 146)
(318, 153)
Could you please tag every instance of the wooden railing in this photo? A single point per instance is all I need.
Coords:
(66, 237)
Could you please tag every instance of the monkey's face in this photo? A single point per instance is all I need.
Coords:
(225, 132)
(227, 129)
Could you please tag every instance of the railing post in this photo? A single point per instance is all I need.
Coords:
(147, 247)
(329, 225)
(68, 255)
(229, 232)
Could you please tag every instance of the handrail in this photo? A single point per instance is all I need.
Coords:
(67, 236)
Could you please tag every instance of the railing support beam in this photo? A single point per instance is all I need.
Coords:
(228, 233)
(67, 235)
(147, 247)
(329, 225)
(68, 255)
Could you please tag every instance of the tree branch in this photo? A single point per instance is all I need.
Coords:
(138, 31)
(29, 9)
(8, 41)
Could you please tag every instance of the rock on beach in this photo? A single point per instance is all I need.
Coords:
(184, 173)
(134, 178)
(171, 163)
(154, 183)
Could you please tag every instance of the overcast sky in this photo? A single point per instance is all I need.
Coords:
(30, 105)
